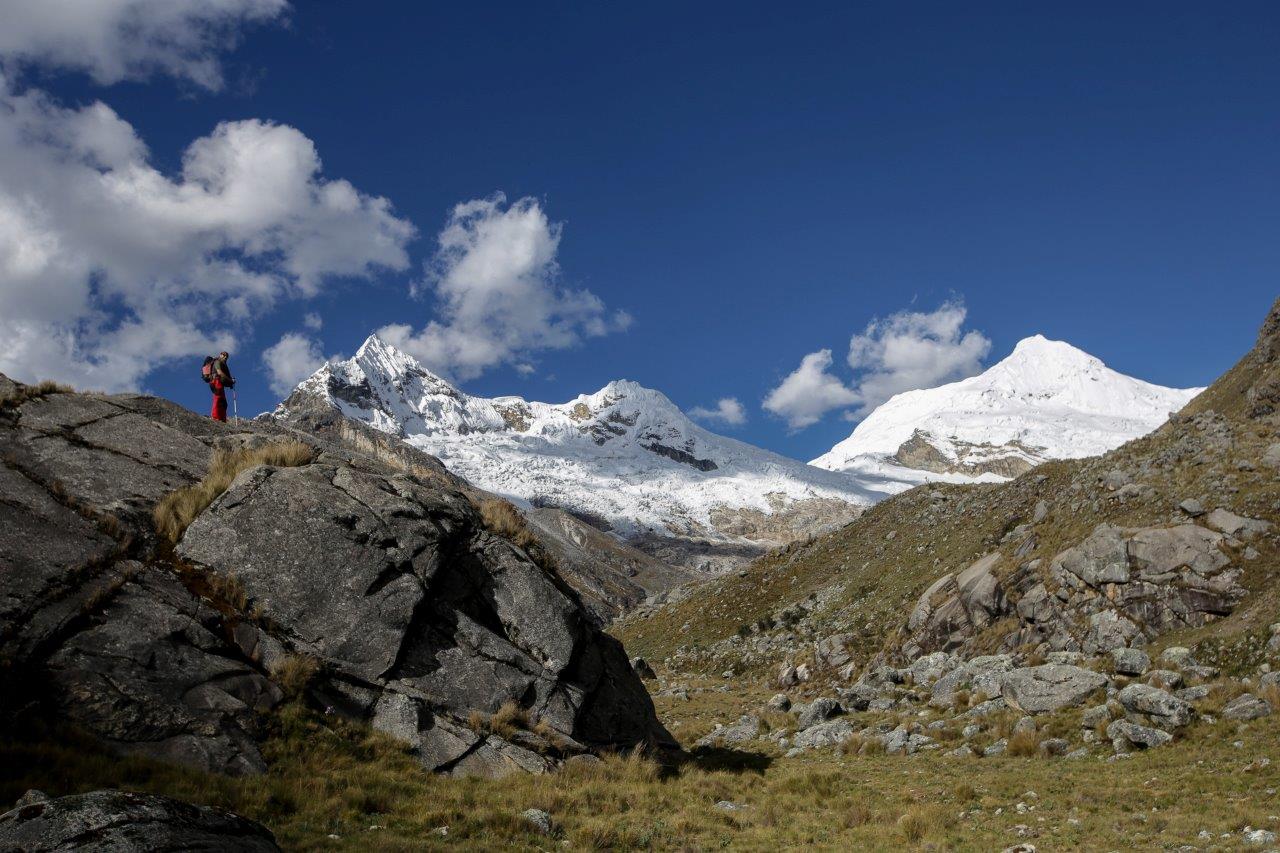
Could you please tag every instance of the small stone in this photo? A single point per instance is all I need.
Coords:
(1024, 726)
(1246, 707)
(540, 820)
(1164, 679)
(1192, 507)
(1129, 661)
(1055, 746)
(779, 702)
(1259, 837)
(30, 798)
(996, 748)
(1177, 657)
(643, 669)
(728, 806)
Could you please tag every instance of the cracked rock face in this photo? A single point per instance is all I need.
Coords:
(379, 569)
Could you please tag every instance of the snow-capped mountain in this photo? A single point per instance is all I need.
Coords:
(625, 457)
(1046, 400)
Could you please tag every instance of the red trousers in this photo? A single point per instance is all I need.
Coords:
(219, 410)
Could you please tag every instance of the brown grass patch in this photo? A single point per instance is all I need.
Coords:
(1024, 744)
(294, 673)
(176, 510)
(26, 393)
(502, 518)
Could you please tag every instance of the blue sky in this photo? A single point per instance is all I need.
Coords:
(750, 183)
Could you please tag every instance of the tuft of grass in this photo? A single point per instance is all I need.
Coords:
(505, 520)
(1024, 744)
(503, 722)
(176, 510)
(914, 825)
(25, 393)
(294, 674)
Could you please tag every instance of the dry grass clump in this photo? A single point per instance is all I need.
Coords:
(503, 722)
(1024, 744)
(294, 673)
(24, 393)
(505, 520)
(175, 512)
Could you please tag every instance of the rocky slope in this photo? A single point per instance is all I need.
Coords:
(624, 459)
(1098, 608)
(366, 581)
(1046, 400)
(1169, 538)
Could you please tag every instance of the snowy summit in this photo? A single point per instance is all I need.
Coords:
(626, 458)
(1046, 400)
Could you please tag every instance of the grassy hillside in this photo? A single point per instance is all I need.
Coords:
(864, 578)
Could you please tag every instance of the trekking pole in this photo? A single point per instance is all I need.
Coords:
(235, 405)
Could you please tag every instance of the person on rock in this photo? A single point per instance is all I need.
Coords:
(218, 376)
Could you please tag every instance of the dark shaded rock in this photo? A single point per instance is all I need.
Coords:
(393, 584)
(126, 822)
(148, 676)
(371, 559)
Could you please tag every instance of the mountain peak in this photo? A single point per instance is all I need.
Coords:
(1046, 400)
(1040, 347)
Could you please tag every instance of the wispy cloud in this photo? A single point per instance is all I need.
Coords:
(901, 352)
(809, 392)
(728, 411)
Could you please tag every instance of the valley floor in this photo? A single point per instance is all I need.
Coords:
(334, 786)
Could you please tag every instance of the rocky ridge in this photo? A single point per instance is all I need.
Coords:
(365, 580)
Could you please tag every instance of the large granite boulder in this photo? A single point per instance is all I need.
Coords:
(1162, 708)
(370, 566)
(123, 822)
(1049, 687)
(394, 586)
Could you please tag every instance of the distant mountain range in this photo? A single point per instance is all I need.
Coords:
(627, 462)
(625, 459)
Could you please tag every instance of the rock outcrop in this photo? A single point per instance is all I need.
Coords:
(127, 823)
(372, 569)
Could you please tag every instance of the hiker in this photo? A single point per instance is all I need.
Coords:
(218, 376)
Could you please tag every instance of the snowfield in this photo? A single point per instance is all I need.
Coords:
(628, 459)
(1046, 400)
(625, 455)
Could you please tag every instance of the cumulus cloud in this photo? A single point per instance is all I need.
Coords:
(901, 352)
(912, 349)
(809, 392)
(290, 360)
(728, 411)
(111, 266)
(313, 321)
(495, 283)
(114, 40)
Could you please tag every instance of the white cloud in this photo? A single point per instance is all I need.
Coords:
(808, 393)
(110, 266)
(313, 321)
(290, 360)
(902, 352)
(727, 411)
(911, 349)
(114, 40)
(498, 299)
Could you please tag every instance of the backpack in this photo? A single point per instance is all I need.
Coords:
(207, 372)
